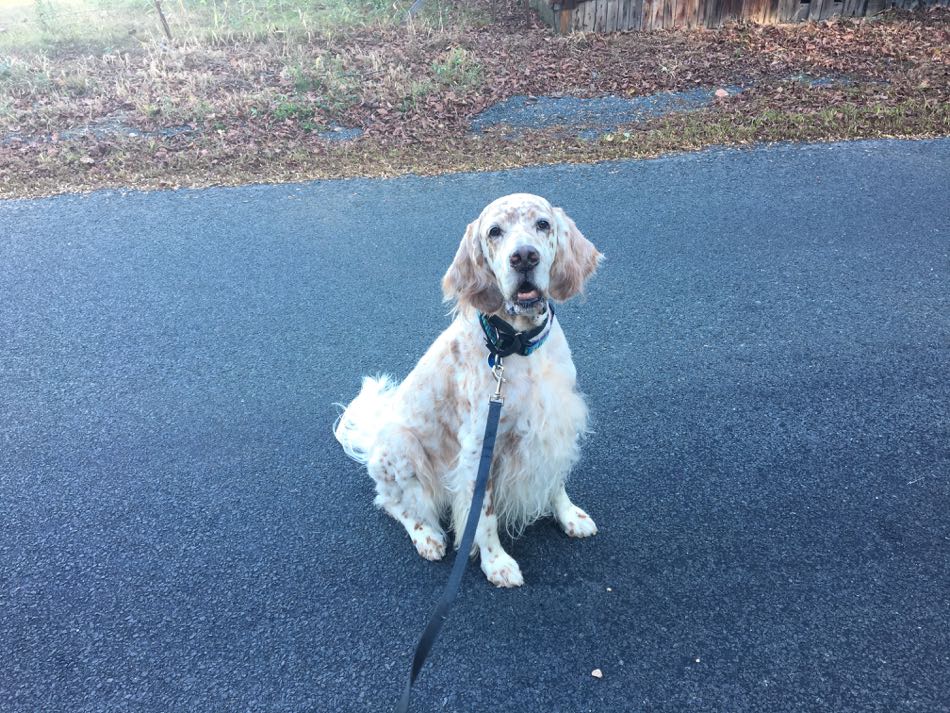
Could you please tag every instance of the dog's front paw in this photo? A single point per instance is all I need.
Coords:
(577, 523)
(502, 570)
(429, 543)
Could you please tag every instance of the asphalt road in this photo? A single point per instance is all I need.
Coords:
(766, 354)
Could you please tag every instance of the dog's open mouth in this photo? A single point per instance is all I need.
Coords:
(527, 294)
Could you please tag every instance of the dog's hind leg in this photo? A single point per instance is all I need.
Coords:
(401, 470)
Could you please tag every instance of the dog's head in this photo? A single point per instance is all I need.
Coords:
(518, 254)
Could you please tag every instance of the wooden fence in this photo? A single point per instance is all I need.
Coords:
(610, 15)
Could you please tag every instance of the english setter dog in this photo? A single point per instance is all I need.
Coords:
(421, 439)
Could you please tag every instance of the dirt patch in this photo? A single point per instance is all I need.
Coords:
(405, 99)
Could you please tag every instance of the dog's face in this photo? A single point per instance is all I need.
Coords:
(518, 254)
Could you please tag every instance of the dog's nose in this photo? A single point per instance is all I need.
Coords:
(524, 258)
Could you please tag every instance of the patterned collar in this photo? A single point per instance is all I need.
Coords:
(502, 340)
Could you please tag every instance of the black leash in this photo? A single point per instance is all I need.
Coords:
(441, 611)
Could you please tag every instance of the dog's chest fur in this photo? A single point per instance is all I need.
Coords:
(542, 420)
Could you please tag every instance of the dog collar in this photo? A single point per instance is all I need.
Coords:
(503, 340)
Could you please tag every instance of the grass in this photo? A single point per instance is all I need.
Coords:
(69, 26)
(220, 163)
(245, 90)
(333, 87)
(458, 69)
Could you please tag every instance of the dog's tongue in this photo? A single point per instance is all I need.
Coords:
(525, 295)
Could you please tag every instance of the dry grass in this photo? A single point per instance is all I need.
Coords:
(240, 100)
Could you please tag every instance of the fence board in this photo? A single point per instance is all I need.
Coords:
(669, 12)
(859, 8)
(731, 10)
(830, 9)
(646, 15)
(715, 16)
(613, 15)
(701, 13)
(589, 9)
(679, 13)
(687, 13)
(636, 14)
(613, 19)
(786, 10)
(625, 9)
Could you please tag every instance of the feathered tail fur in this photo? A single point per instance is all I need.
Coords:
(357, 427)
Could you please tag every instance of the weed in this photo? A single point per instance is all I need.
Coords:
(458, 69)
(418, 90)
(292, 110)
(335, 88)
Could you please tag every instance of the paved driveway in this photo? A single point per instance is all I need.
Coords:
(766, 354)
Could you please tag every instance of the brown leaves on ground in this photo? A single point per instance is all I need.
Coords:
(257, 108)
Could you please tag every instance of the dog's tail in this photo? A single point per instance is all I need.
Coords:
(359, 424)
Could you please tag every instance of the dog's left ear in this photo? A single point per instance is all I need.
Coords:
(576, 259)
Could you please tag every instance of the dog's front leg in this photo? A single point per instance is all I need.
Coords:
(574, 521)
(500, 567)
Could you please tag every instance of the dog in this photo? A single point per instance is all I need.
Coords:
(421, 439)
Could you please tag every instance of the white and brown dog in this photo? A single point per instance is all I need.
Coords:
(421, 439)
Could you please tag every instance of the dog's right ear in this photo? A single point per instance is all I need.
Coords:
(469, 280)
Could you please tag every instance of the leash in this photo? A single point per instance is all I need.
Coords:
(441, 611)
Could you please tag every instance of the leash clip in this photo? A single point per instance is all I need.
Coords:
(498, 370)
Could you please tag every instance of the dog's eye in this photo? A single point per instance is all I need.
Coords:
(495, 232)
(543, 225)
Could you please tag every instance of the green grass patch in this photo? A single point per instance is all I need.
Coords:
(333, 87)
(97, 26)
(458, 69)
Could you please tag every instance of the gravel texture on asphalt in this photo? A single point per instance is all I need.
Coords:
(765, 354)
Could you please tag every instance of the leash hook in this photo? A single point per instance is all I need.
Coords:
(498, 371)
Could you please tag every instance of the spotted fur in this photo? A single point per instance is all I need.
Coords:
(420, 439)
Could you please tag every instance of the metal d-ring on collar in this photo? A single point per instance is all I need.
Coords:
(503, 340)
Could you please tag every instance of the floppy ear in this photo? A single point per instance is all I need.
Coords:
(469, 280)
(576, 259)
